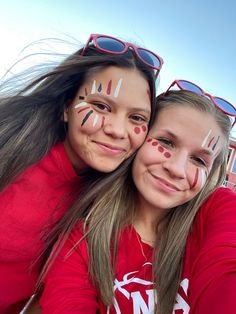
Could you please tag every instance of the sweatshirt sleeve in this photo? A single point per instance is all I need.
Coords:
(213, 285)
(68, 288)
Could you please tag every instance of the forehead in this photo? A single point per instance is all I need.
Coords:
(131, 77)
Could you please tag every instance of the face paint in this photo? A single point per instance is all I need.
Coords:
(137, 129)
(81, 104)
(211, 140)
(160, 148)
(93, 90)
(167, 154)
(109, 87)
(195, 179)
(144, 128)
(206, 138)
(117, 90)
(214, 146)
(100, 88)
(86, 117)
(103, 120)
(95, 120)
(204, 176)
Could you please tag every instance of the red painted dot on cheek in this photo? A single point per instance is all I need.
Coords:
(144, 128)
(149, 139)
(161, 149)
(155, 143)
(137, 130)
(167, 154)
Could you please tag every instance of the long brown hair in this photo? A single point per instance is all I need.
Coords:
(111, 204)
(31, 116)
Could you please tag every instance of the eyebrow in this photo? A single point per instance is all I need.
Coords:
(204, 151)
(109, 99)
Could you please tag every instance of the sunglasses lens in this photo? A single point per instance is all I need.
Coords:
(149, 58)
(190, 86)
(225, 106)
(110, 45)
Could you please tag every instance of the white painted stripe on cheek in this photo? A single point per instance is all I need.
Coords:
(93, 90)
(81, 104)
(117, 90)
(206, 138)
(95, 120)
(203, 178)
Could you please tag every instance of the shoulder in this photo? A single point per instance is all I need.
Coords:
(220, 199)
(216, 218)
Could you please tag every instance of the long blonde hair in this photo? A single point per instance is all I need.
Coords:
(111, 204)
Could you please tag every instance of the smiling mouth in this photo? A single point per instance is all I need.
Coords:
(164, 183)
(110, 148)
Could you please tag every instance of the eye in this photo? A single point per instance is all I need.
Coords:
(137, 118)
(101, 106)
(199, 161)
(165, 142)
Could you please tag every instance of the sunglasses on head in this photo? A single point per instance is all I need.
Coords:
(113, 45)
(219, 102)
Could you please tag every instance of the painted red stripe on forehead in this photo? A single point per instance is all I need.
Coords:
(210, 141)
(109, 87)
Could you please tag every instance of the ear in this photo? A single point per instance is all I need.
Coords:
(65, 114)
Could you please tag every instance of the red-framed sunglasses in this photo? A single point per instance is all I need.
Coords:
(113, 45)
(219, 102)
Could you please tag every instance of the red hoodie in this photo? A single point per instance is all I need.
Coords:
(28, 207)
(208, 283)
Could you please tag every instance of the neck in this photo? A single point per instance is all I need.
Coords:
(147, 223)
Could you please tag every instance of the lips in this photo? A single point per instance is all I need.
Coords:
(165, 183)
(109, 147)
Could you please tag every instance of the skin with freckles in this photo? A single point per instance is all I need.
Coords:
(174, 162)
(108, 119)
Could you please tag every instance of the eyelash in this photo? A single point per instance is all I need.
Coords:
(165, 142)
(199, 160)
(98, 106)
(139, 119)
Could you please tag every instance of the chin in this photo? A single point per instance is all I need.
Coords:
(104, 168)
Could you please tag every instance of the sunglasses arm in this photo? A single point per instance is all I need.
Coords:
(86, 46)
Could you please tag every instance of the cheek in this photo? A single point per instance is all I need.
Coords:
(197, 178)
(88, 120)
(156, 150)
(152, 152)
(137, 135)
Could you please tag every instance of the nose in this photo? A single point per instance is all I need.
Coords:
(116, 127)
(176, 165)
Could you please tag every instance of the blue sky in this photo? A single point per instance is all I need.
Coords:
(196, 39)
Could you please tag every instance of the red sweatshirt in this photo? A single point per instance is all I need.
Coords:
(208, 283)
(28, 206)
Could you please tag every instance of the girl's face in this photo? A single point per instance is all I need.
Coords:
(108, 119)
(174, 162)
